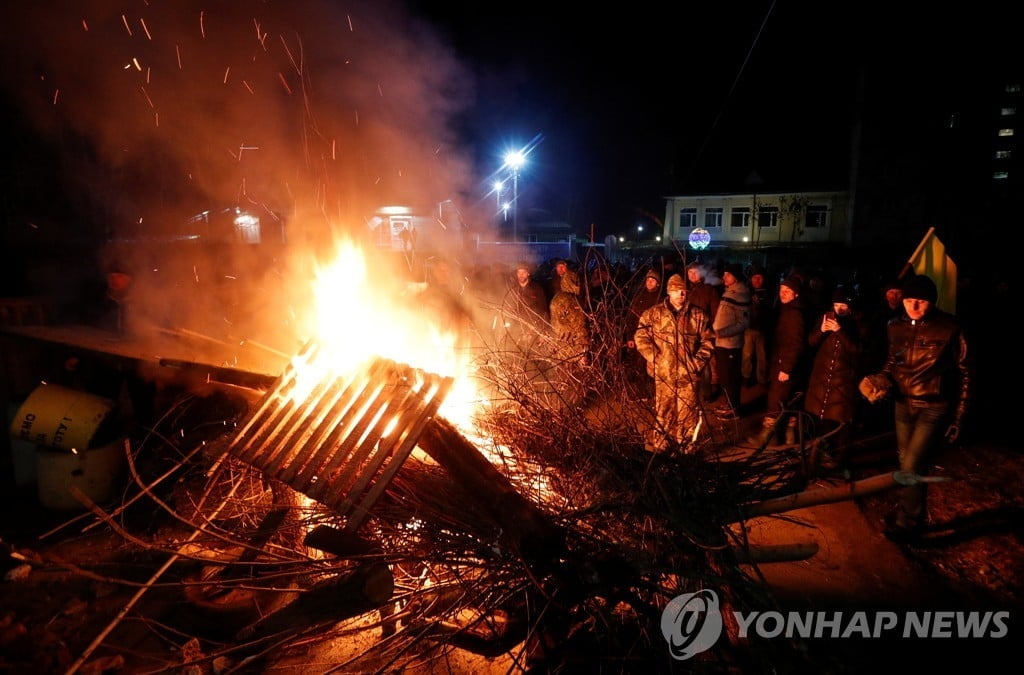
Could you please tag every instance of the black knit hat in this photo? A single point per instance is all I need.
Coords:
(794, 283)
(920, 287)
(845, 295)
(735, 270)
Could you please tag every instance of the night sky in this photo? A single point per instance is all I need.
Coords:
(151, 111)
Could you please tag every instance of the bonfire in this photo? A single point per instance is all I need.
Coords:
(435, 486)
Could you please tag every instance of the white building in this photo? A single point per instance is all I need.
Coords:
(755, 220)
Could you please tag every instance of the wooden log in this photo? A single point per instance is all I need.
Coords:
(525, 528)
(769, 553)
(836, 493)
(366, 588)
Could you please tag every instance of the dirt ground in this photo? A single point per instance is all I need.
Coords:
(970, 557)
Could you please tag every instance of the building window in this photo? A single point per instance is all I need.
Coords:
(739, 216)
(1006, 132)
(768, 216)
(817, 216)
(1006, 112)
(1003, 154)
(713, 217)
(1001, 175)
(687, 219)
(1012, 88)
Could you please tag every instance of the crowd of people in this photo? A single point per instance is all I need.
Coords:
(693, 338)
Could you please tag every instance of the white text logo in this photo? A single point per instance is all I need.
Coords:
(692, 623)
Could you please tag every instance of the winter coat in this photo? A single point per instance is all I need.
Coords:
(642, 301)
(568, 320)
(732, 317)
(527, 304)
(674, 343)
(760, 308)
(677, 348)
(929, 361)
(789, 344)
(832, 388)
(703, 295)
(789, 339)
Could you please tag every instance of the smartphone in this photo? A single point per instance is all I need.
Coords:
(831, 316)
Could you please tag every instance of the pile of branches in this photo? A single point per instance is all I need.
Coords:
(619, 532)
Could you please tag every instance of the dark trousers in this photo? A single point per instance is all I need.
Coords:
(918, 427)
(728, 362)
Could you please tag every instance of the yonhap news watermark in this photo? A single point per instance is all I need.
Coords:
(693, 622)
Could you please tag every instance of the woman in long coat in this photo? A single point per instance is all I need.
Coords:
(838, 338)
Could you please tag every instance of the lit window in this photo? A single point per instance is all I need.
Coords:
(687, 219)
(817, 216)
(1001, 175)
(768, 216)
(1012, 88)
(1006, 112)
(739, 216)
(713, 217)
(1003, 154)
(1006, 132)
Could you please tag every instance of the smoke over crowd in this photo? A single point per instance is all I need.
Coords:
(310, 114)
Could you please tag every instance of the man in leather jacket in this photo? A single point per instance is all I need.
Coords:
(929, 369)
(674, 337)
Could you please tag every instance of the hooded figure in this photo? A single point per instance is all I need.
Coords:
(673, 336)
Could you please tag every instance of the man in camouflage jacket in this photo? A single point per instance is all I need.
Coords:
(674, 338)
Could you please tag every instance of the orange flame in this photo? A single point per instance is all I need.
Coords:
(359, 316)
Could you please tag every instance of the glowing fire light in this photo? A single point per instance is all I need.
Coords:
(360, 316)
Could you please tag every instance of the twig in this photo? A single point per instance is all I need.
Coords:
(98, 640)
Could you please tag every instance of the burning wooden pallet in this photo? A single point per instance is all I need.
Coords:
(341, 443)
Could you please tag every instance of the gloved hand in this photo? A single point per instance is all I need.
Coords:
(952, 432)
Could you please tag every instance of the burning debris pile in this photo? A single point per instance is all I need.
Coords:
(347, 516)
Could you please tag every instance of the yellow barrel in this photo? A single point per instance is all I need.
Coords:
(97, 472)
(60, 418)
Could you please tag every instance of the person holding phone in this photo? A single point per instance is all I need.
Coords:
(832, 397)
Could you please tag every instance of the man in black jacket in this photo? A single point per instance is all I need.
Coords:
(929, 370)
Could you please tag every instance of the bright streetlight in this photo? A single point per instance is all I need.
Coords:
(639, 229)
(514, 160)
(499, 187)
